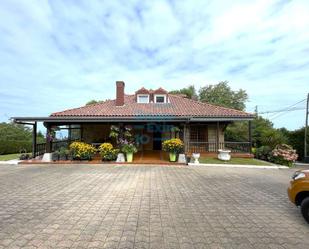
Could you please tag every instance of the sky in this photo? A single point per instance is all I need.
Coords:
(56, 55)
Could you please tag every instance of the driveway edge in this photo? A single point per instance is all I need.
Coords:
(240, 166)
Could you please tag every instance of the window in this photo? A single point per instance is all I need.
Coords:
(160, 98)
(143, 98)
(198, 134)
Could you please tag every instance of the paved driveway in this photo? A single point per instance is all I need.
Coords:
(88, 206)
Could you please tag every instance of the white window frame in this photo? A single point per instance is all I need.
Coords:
(160, 95)
(142, 95)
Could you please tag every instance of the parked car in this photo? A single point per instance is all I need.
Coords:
(298, 191)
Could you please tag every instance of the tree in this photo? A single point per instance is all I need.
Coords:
(221, 94)
(189, 91)
(14, 137)
(91, 102)
(263, 133)
(296, 140)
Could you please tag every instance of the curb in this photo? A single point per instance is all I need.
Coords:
(10, 162)
(240, 166)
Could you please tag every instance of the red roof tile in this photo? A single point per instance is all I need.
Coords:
(177, 107)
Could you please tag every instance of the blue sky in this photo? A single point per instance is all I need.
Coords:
(56, 55)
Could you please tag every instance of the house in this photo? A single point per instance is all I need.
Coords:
(154, 115)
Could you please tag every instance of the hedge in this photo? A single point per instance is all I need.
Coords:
(10, 147)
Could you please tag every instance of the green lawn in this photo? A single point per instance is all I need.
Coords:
(244, 161)
(9, 157)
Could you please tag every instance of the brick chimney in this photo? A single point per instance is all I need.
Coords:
(120, 93)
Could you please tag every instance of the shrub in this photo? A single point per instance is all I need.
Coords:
(284, 154)
(107, 152)
(128, 148)
(10, 147)
(24, 156)
(82, 151)
(263, 153)
(174, 145)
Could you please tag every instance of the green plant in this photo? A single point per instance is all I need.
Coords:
(82, 151)
(55, 156)
(174, 145)
(128, 148)
(64, 153)
(175, 129)
(107, 152)
(114, 132)
(264, 153)
(24, 156)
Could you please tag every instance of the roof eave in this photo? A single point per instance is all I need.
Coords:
(83, 119)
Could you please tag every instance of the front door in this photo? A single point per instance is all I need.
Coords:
(157, 139)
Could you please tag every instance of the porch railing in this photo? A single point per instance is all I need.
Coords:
(56, 145)
(236, 147)
(40, 149)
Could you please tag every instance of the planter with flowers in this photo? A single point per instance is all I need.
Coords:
(82, 151)
(174, 146)
(129, 149)
(284, 154)
(108, 152)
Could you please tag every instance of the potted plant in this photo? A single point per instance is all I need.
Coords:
(129, 149)
(63, 154)
(107, 152)
(82, 151)
(173, 146)
(55, 156)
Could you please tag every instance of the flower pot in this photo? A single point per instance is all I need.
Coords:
(172, 157)
(129, 157)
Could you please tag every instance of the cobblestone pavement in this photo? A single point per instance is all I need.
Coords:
(89, 206)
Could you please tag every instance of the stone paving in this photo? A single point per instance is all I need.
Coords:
(90, 206)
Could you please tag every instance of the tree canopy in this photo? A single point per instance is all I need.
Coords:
(221, 94)
(91, 102)
(189, 91)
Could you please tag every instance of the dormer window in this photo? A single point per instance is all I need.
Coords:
(142, 98)
(160, 98)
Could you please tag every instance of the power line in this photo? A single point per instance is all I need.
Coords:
(283, 110)
(288, 109)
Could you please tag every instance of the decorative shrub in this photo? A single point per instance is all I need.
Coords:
(127, 147)
(284, 154)
(174, 145)
(63, 153)
(24, 156)
(263, 153)
(107, 152)
(82, 151)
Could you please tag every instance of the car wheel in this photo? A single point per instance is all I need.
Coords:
(305, 208)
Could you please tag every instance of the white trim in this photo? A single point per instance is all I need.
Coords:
(240, 166)
(142, 95)
(160, 95)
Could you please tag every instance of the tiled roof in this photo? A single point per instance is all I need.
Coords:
(178, 106)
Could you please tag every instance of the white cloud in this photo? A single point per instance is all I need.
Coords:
(59, 54)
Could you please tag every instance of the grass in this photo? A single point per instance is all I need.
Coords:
(243, 161)
(9, 157)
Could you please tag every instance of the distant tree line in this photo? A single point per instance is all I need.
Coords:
(15, 138)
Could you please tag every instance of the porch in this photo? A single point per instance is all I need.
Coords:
(204, 138)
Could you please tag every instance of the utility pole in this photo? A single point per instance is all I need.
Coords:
(306, 158)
